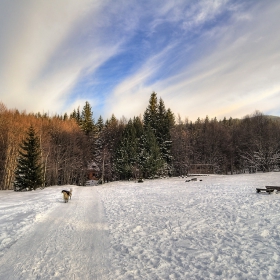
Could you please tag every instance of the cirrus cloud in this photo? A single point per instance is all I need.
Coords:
(217, 58)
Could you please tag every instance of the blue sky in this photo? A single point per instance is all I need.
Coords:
(219, 58)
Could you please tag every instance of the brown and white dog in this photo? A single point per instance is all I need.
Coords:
(67, 195)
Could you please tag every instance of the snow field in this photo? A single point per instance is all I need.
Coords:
(217, 228)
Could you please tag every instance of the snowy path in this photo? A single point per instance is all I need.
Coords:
(68, 243)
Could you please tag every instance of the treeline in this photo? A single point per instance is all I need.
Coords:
(141, 147)
(230, 145)
(64, 147)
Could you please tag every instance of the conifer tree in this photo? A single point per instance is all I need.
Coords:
(149, 160)
(138, 125)
(163, 132)
(170, 118)
(100, 124)
(28, 174)
(87, 122)
(161, 121)
(65, 117)
(73, 115)
(78, 116)
(151, 113)
(126, 154)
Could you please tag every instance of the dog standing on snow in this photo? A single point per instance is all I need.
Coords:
(67, 195)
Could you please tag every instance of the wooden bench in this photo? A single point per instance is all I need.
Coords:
(268, 190)
(273, 187)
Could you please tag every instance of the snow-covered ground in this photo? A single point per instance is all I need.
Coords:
(217, 228)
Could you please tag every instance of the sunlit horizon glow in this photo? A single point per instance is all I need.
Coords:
(217, 58)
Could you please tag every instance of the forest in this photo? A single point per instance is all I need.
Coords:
(152, 145)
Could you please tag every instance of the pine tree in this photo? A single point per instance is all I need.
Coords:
(149, 160)
(161, 121)
(170, 118)
(65, 117)
(151, 113)
(138, 126)
(73, 115)
(100, 124)
(78, 116)
(163, 131)
(126, 154)
(28, 174)
(87, 122)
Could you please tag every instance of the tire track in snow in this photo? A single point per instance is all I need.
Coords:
(69, 243)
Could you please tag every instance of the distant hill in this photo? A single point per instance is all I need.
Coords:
(272, 117)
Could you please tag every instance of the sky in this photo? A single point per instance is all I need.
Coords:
(215, 58)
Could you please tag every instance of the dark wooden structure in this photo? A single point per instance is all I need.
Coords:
(273, 187)
(201, 169)
(93, 171)
(268, 189)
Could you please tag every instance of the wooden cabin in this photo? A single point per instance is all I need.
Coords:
(93, 171)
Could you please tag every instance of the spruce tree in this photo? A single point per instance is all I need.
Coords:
(138, 125)
(126, 154)
(151, 113)
(65, 117)
(165, 122)
(78, 116)
(149, 160)
(28, 174)
(100, 124)
(73, 115)
(160, 121)
(87, 122)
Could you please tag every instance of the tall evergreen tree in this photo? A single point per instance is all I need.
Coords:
(164, 124)
(126, 154)
(161, 121)
(73, 115)
(151, 113)
(170, 118)
(149, 160)
(78, 116)
(100, 124)
(138, 125)
(65, 117)
(28, 174)
(87, 122)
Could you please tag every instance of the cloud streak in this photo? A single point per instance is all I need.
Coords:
(45, 51)
(217, 58)
(235, 70)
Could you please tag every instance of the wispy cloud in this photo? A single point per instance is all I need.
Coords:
(131, 96)
(45, 48)
(217, 58)
(234, 70)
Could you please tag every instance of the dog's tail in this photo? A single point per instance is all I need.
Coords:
(71, 190)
